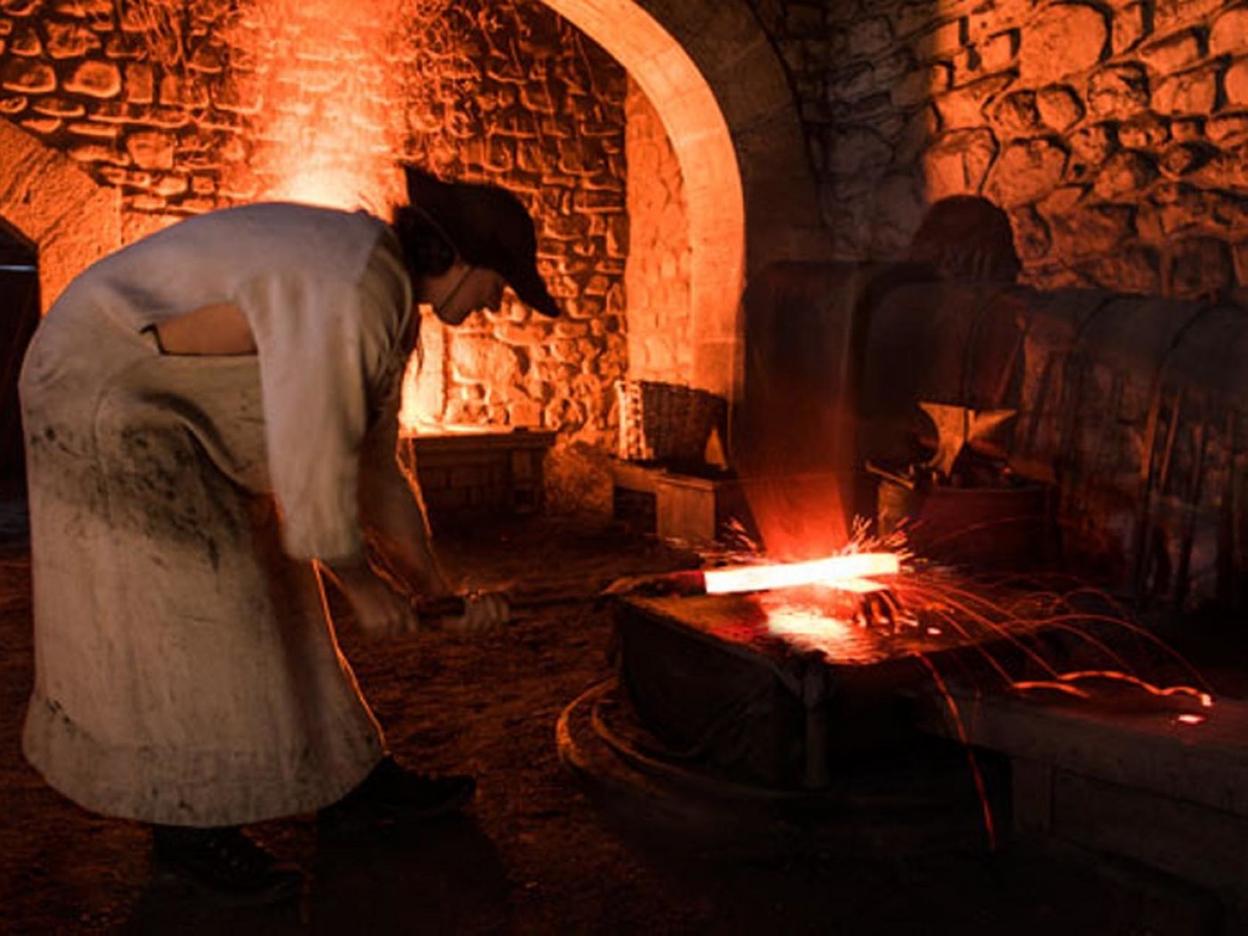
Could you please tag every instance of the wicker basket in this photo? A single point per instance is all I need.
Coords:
(665, 422)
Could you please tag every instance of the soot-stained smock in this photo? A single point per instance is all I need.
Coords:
(186, 669)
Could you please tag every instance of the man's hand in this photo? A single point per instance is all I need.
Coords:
(380, 609)
(483, 613)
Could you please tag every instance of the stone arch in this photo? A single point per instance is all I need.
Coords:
(70, 219)
(723, 97)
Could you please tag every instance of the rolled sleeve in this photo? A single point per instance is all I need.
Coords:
(314, 387)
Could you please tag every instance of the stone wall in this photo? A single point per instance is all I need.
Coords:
(1115, 134)
(510, 92)
(185, 107)
(660, 345)
(85, 80)
(58, 209)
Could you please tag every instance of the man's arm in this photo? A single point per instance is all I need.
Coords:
(392, 512)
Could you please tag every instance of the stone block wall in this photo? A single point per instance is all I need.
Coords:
(511, 93)
(88, 81)
(657, 281)
(1115, 134)
(186, 107)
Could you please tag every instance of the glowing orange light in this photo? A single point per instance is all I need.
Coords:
(821, 628)
(1190, 719)
(1065, 683)
(951, 704)
(845, 573)
(704, 147)
(795, 621)
(327, 134)
(332, 187)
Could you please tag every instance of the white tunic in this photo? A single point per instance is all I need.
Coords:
(186, 670)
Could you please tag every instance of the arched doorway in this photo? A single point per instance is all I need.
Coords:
(49, 202)
(723, 97)
(55, 220)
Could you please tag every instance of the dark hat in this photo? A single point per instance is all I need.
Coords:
(489, 227)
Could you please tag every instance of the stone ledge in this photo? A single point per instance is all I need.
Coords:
(478, 472)
(1204, 764)
(469, 440)
(1141, 786)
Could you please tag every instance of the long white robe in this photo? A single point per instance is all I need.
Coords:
(186, 668)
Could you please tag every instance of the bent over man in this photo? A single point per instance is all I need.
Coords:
(211, 418)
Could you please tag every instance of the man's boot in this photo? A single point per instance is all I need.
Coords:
(391, 797)
(225, 864)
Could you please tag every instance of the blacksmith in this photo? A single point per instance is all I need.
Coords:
(211, 418)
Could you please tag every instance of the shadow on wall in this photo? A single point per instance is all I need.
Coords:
(1133, 409)
(796, 437)
(1116, 137)
(910, 130)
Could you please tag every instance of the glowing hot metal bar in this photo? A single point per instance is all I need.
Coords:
(843, 572)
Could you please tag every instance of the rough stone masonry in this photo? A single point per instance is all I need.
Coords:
(1115, 134)
(174, 104)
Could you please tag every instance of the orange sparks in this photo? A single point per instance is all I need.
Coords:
(960, 726)
(845, 573)
(1066, 683)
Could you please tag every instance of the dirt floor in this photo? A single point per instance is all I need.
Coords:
(532, 854)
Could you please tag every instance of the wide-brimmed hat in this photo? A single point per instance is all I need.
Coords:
(489, 227)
